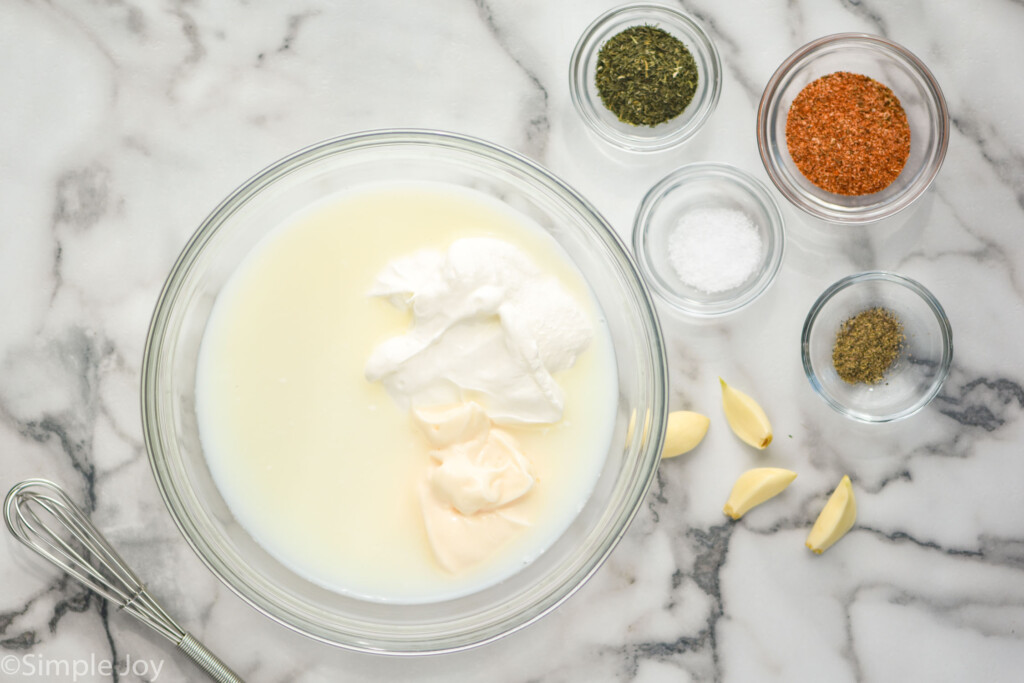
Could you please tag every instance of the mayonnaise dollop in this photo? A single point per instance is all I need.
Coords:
(478, 470)
(487, 326)
(488, 330)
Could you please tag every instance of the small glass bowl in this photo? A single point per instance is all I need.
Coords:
(919, 371)
(605, 124)
(700, 186)
(891, 65)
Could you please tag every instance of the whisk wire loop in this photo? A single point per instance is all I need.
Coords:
(42, 516)
(94, 563)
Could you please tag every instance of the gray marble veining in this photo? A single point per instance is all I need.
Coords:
(125, 122)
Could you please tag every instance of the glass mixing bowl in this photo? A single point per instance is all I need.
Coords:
(169, 372)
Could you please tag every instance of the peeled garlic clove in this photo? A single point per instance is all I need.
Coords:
(836, 518)
(746, 417)
(755, 487)
(684, 430)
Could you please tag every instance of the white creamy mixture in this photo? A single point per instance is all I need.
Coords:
(326, 469)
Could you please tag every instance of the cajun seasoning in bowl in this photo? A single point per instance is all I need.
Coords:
(852, 128)
(848, 134)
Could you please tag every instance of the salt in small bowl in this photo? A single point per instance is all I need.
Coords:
(705, 186)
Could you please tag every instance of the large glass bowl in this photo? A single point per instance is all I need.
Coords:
(169, 372)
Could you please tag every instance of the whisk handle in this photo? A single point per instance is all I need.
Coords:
(207, 661)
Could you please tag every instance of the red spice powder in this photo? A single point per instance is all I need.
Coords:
(848, 134)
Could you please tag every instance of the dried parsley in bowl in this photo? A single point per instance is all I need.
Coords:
(645, 76)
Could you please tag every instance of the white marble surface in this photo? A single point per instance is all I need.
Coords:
(124, 122)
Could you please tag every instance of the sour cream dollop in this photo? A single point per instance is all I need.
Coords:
(487, 326)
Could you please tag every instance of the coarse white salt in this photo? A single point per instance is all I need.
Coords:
(714, 249)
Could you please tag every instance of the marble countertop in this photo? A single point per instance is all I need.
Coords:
(125, 122)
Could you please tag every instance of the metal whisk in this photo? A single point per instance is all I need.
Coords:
(42, 516)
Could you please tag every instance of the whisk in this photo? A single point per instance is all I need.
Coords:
(42, 516)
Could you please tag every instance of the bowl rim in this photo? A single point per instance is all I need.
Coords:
(703, 170)
(869, 214)
(945, 332)
(570, 579)
(672, 137)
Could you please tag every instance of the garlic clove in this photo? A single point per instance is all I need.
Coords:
(746, 417)
(836, 518)
(684, 430)
(755, 487)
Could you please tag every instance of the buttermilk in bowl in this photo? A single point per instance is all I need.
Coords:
(406, 392)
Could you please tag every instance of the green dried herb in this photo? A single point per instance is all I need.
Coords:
(867, 345)
(645, 76)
